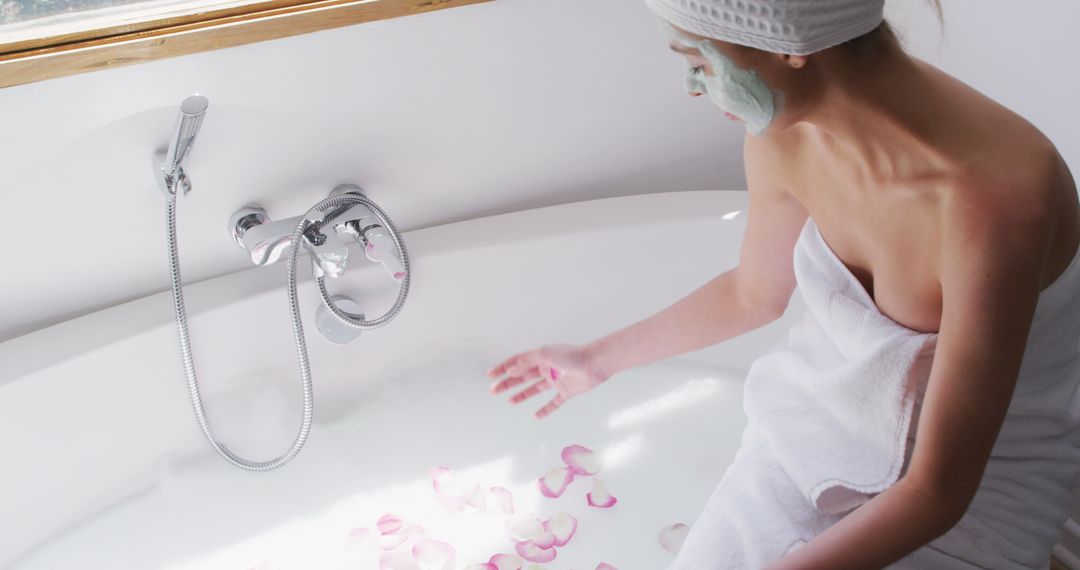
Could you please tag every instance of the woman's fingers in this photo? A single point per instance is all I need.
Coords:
(546, 367)
(527, 361)
(501, 368)
(550, 406)
(516, 365)
(503, 385)
(530, 391)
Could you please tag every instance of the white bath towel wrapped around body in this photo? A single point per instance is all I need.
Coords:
(832, 413)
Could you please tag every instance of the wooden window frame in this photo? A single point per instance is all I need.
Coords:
(105, 48)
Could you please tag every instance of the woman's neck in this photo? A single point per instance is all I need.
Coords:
(883, 113)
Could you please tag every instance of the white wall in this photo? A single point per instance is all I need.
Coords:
(445, 116)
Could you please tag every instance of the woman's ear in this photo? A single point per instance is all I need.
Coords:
(795, 61)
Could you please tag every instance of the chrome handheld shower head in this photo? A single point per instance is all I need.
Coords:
(188, 121)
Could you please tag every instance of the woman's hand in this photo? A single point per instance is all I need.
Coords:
(566, 367)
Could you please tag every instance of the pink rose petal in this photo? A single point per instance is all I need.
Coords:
(434, 554)
(554, 482)
(504, 499)
(362, 538)
(388, 524)
(506, 562)
(412, 532)
(605, 566)
(581, 460)
(524, 527)
(545, 541)
(478, 498)
(563, 526)
(444, 481)
(449, 490)
(599, 497)
(453, 494)
(360, 533)
(672, 537)
(528, 550)
(392, 541)
(438, 475)
(483, 566)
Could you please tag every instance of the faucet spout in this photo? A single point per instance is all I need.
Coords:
(324, 236)
(267, 241)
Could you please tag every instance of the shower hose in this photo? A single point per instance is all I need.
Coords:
(335, 205)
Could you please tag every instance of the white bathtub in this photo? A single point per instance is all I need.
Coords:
(105, 467)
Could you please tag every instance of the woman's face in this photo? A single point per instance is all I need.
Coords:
(728, 75)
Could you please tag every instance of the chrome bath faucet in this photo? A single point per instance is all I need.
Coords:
(324, 239)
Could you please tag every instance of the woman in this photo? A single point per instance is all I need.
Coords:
(953, 213)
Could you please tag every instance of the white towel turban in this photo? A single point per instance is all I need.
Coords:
(796, 27)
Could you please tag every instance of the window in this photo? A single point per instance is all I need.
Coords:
(42, 39)
(22, 21)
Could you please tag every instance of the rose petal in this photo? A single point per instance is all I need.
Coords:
(388, 524)
(581, 460)
(413, 531)
(455, 504)
(523, 527)
(672, 537)
(506, 562)
(504, 499)
(453, 494)
(392, 541)
(599, 497)
(478, 498)
(554, 482)
(434, 554)
(545, 541)
(605, 566)
(361, 533)
(563, 526)
(533, 553)
(482, 566)
(449, 489)
(439, 478)
(444, 480)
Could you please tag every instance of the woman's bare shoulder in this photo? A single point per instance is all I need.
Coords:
(1022, 190)
(1020, 174)
(998, 146)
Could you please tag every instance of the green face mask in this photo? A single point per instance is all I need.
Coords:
(737, 91)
